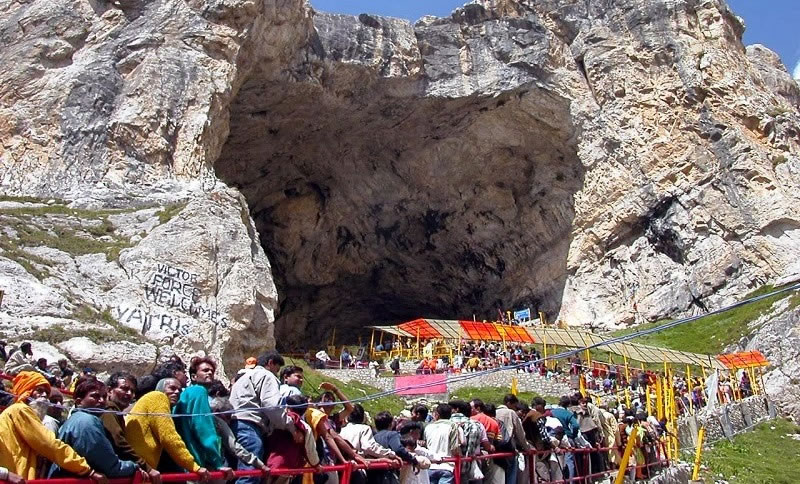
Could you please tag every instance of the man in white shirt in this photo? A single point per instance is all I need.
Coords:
(322, 359)
(443, 438)
(361, 438)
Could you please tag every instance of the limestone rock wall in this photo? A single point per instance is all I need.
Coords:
(643, 165)
(122, 288)
(777, 336)
(114, 111)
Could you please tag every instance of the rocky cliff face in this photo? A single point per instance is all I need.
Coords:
(609, 162)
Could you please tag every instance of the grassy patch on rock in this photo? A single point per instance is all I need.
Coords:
(91, 315)
(170, 211)
(108, 329)
(59, 333)
(32, 263)
(62, 228)
(761, 456)
(712, 334)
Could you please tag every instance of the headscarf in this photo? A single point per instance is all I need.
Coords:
(26, 382)
(162, 383)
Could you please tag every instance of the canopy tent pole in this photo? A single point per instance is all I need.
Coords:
(753, 384)
(545, 345)
(659, 398)
(372, 345)
(418, 343)
(627, 372)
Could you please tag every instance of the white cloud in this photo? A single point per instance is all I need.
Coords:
(796, 73)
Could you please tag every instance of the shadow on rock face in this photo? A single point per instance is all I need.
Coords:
(376, 204)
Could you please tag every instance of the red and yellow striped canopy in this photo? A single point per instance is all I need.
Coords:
(744, 359)
(466, 330)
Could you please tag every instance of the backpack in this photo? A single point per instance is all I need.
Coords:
(505, 442)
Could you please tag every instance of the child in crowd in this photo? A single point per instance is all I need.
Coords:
(417, 474)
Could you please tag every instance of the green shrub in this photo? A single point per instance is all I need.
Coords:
(167, 213)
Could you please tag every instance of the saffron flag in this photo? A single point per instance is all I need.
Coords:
(421, 384)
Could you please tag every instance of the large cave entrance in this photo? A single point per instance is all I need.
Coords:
(377, 204)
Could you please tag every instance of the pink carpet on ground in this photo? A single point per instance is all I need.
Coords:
(437, 382)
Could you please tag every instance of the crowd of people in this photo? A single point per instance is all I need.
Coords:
(182, 418)
(601, 379)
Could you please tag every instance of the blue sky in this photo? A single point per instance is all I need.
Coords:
(769, 22)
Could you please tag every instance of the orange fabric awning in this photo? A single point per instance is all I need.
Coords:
(474, 330)
(421, 327)
(517, 334)
(744, 359)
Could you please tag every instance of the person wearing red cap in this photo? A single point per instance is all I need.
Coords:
(25, 438)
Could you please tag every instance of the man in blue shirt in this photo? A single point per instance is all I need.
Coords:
(84, 432)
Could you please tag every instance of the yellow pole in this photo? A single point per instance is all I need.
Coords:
(753, 384)
(514, 385)
(545, 342)
(623, 464)
(372, 345)
(417, 343)
(674, 432)
(627, 373)
(588, 360)
(627, 397)
(737, 393)
(700, 437)
(380, 338)
(659, 399)
(665, 412)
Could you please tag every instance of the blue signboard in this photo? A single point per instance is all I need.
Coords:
(523, 315)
